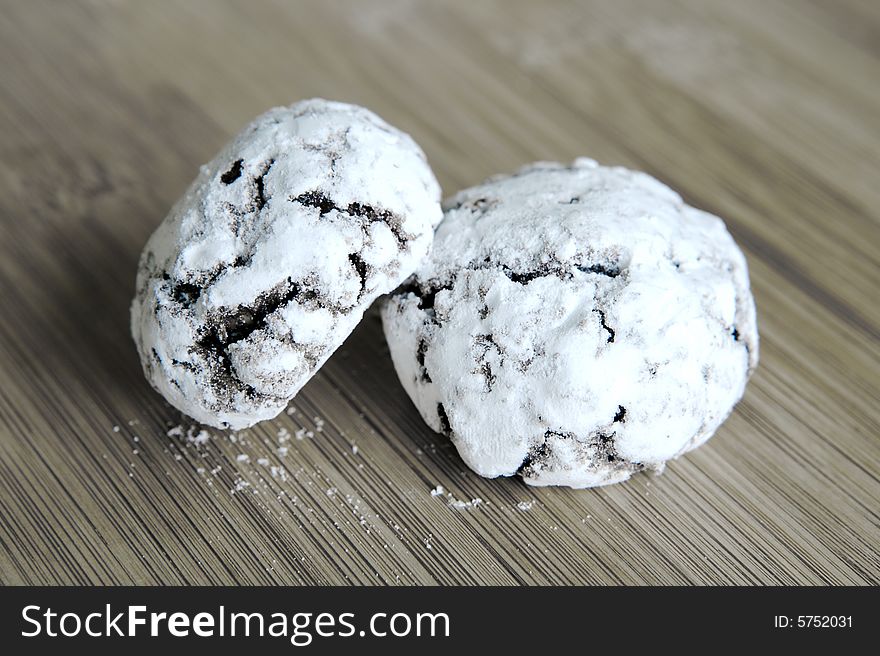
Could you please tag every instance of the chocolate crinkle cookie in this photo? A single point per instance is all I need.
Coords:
(269, 260)
(574, 325)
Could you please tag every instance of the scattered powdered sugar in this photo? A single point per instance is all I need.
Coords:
(271, 467)
(202, 437)
(198, 438)
(464, 505)
(525, 505)
(452, 502)
(194, 435)
(239, 485)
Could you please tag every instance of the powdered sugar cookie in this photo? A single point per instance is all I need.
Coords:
(269, 260)
(574, 325)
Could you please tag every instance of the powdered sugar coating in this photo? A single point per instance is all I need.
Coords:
(574, 325)
(269, 260)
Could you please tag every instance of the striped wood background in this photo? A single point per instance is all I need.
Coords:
(766, 113)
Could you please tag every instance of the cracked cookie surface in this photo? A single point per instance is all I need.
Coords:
(271, 257)
(574, 325)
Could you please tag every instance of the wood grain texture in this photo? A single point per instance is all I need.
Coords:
(766, 113)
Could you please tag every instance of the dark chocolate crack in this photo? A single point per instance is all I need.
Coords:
(236, 326)
(604, 445)
(260, 192)
(537, 455)
(239, 325)
(237, 216)
(445, 426)
(560, 270)
(189, 366)
(361, 267)
(186, 294)
(523, 365)
(425, 294)
(420, 359)
(601, 446)
(737, 337)
(223, 374)
(233, 174)
(487, 342)
(486, 370)
(365, 213)
(426, 298)
(316, 200)
(606, 450)
(610, 270)
(608, 328)
(524, 278)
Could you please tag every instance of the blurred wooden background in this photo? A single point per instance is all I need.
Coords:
(766, 113)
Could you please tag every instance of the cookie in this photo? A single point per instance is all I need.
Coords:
(574, 325)
(269, 260)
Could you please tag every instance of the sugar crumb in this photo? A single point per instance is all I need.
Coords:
(464, 505)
